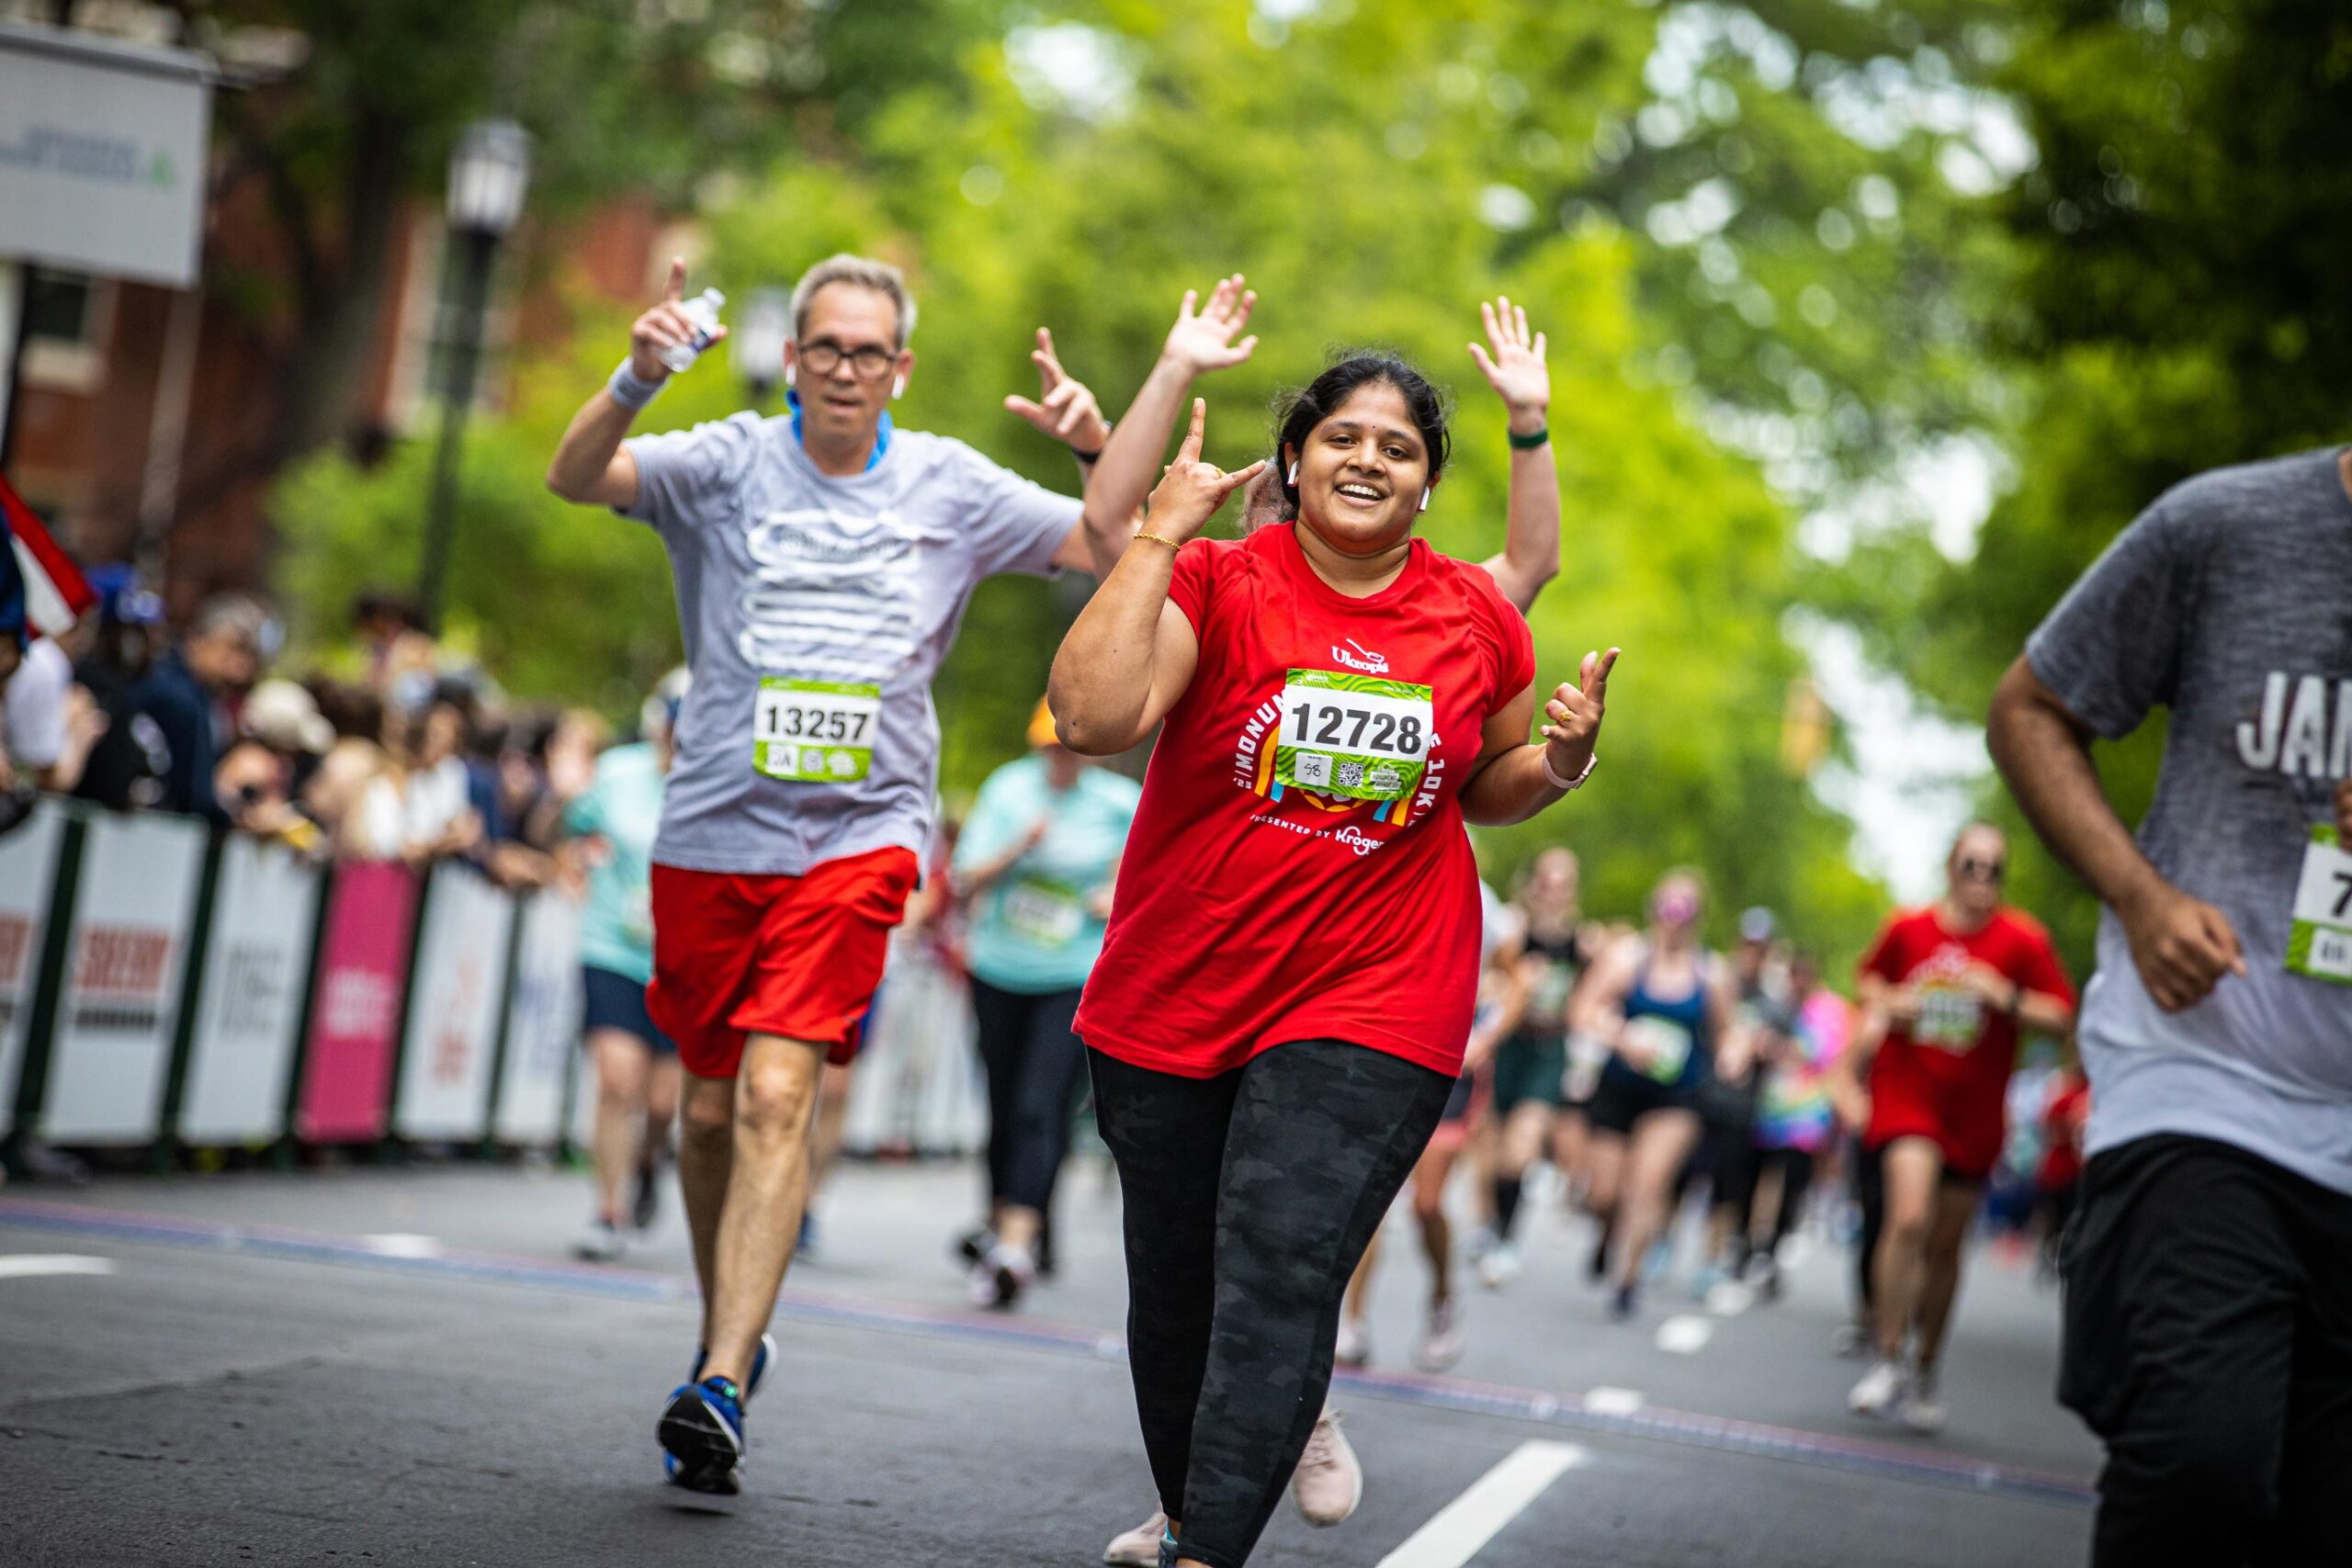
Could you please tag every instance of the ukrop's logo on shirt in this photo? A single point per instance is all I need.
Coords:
(2293, 733)
(1356, 656)
(831, 595)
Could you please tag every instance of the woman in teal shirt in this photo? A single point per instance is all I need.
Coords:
(1036, 860)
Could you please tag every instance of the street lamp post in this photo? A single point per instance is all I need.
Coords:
(490, 169)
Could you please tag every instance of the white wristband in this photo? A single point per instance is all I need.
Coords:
(1555, 781)
(629, 390)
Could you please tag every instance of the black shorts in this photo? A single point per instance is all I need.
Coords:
(1622, 1100)
(1530, 1067)
(615, 1001)
(1460, 1100)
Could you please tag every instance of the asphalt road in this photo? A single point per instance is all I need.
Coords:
(403, 1366)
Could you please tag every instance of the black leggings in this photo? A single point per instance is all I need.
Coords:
(1249, 1198)
(1795, 1167)
(1033, 1063)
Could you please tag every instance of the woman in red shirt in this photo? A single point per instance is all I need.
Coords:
(1287, 984)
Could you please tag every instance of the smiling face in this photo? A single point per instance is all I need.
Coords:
(848, 327)
(1362, 471)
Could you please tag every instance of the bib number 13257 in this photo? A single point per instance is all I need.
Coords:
(1359, 737)
(2319, 942)
(814, 731)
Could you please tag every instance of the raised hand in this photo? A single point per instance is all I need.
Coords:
(665, 326)
(1066, 409)
(1202, 339)
(1512, 358)
(1576, 712)
(1191, 491)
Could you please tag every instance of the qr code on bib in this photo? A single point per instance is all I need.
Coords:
(1350, 776)
(1313, 768)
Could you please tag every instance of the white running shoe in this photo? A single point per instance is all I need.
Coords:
(1329, 1483)
(1500, 1266)
(1138, 1548)
(1356, 1342)
(1880, 1393)
(1442, 1343)
(599, 1241)
(1921, 1410)
(999, 1278)
(1851, 1342)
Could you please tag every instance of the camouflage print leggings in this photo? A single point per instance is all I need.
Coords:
(1249, 1198)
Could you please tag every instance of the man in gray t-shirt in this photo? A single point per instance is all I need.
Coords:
(822, 562)
(2208, 1314)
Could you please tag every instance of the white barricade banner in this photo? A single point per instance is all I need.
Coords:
(444, 1091)
(131, 915)
(27, 874)
(542, 1021)
(249, 1009)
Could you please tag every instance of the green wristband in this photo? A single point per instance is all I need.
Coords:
(1529, 442)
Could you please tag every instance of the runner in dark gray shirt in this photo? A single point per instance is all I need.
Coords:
(2209, 1270)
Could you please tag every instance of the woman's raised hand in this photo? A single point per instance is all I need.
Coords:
(1512, 358)
(1202, 339)
(1192, 491)
(1576, 713)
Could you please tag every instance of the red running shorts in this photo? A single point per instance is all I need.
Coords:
(797, 957)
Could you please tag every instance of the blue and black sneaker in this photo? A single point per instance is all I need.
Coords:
(674, 1465)
(702, 1436)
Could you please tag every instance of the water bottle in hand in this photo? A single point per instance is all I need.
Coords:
(703, 311)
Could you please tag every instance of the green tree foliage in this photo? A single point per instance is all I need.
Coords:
(1370, 166)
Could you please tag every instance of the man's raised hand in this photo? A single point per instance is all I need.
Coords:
(1192, 491)
(1066, 409)
(666, 325)
(1202, 339)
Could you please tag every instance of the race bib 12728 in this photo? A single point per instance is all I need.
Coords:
(814, 731)
(2319, 943)
(1359, 737)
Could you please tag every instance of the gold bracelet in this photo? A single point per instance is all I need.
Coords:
(1158, 540)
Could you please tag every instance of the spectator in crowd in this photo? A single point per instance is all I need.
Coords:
(383, 621)
(438, 814)
(184, 700)
(255, 787)
(125, 765)
(50, 723)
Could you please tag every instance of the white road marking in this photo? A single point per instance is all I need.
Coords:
(402, 1244)
(1457, 1532)
(31, 1265)
(1684, 1336)
(1606, 1401)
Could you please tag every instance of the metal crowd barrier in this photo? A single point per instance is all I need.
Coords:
(163, 986)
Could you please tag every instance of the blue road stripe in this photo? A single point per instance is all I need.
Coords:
(1720, 1434)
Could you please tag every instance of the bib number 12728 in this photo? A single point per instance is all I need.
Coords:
(814, 731)
(1359, 737)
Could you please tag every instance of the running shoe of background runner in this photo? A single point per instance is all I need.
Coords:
(1356, 1342)
(646, 1206)
(999, 1278)
(1851, 1341)
(1440, 1344)
(1623, 1303)
(599, 1241)
(1329, 1483)
(1137, 1548)
(1500, 1266)
(1921, 1410)
(973, 1245)
(1880, 1391)
(702, 1432)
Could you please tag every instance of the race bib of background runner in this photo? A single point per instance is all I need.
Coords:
(1666, 1043)
(1360, 736)
(1045, 911)
(814, 731)
(1951, 1019)
(2319, 942)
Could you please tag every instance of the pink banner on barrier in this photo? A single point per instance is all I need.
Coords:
(363, 964)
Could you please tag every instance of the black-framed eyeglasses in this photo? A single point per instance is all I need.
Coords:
(867, 363)
(1986, 870)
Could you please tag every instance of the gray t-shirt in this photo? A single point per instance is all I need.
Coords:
(815, 611)
(2229, 603)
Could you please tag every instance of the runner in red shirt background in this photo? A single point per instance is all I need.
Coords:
(1944, 992)
(1281, 1005)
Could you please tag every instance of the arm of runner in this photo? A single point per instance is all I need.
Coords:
(2182, 946)
(1512, 780)
(1734, 1039)
(1597, 1008)
(1201, 341)
(591, 466)
(1512, 362)
(977, 877)
(1130, 654)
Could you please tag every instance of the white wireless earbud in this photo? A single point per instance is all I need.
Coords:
(898, 388)
(791, 375)
(1425, 497)
(1294, 473)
